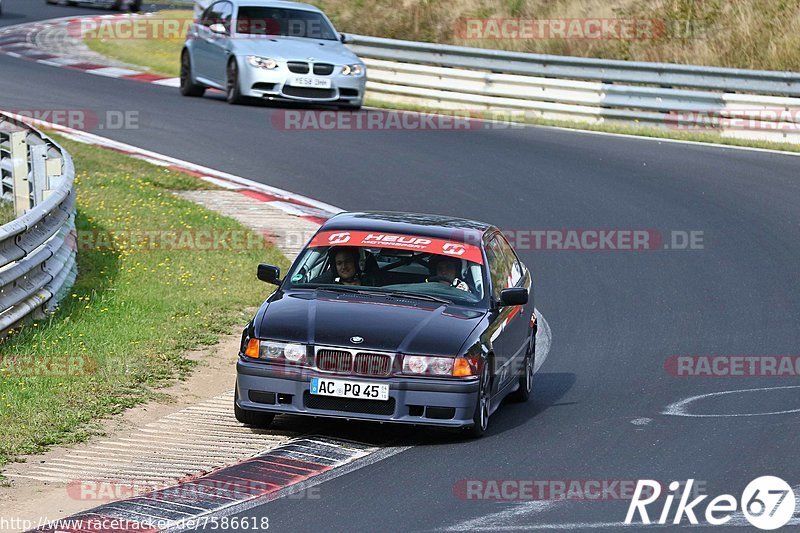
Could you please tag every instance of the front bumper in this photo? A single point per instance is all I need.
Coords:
(422, 401)
(274, 84)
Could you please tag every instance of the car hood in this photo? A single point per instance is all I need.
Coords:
(385, 324)
(295, 49)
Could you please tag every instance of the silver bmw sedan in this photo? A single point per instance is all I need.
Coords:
(273, 50)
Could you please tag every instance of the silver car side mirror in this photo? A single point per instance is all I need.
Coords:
(218, 28)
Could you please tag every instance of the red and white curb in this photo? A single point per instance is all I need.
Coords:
(288, 202)
(183, 506)
(20, 41)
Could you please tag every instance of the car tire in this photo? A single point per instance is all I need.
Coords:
(233, 93)
(256, 419)
(480, 420)
(189, 87)
(523, 393)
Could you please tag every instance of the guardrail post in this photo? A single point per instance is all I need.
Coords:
(41, 180)
(18, 148)
(54, 167)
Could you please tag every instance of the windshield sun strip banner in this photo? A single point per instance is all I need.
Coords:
(417, 243)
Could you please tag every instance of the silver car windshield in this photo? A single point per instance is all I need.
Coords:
(283, 22)
(393, 271)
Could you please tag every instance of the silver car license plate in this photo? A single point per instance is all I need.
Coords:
(310, 81)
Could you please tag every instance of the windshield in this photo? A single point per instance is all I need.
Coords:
(284, 23)
(407, 266)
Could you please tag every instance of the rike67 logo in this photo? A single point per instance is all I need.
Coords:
(768, 503)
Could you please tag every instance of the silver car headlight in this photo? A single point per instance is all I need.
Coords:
(262, 62)
(353, 70)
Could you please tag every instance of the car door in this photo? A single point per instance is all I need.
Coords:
(209, 62)
(518, 327)
(220, 45)
(510, 326)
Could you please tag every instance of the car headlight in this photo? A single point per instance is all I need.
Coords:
(281, 351)
(434, 366)
(262, 62)
(353, 70)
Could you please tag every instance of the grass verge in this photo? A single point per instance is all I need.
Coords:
(158, 55)
(135, 310)
(6, 212)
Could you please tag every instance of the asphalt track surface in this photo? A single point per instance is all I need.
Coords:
(616, 316)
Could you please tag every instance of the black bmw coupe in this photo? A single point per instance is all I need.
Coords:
(392, 317)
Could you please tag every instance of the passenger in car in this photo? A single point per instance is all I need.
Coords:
(446, 270)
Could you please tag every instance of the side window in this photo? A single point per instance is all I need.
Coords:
(208, 18)
(225, 15)
(496, 270)
(504, 267)
(218, 13)
(510, 260)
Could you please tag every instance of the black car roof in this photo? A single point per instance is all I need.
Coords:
(437, 226)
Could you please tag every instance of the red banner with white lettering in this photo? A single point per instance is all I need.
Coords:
(417, 243)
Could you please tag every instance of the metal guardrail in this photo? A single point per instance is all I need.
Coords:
(766, 103)
(38, 248)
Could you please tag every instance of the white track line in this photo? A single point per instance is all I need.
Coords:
(679, 408)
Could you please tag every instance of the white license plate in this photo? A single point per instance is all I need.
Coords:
(309, 81)
(350, 389)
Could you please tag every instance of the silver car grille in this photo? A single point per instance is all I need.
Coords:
(301, 67)
(298, 67)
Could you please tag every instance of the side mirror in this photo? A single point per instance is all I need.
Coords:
(269, 274)
(514, 296)
(344, 38)
(218, 28)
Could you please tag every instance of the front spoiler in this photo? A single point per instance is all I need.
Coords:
(408, 393)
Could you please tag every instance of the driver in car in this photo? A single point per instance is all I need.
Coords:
(346, 263)
(446, 270)
(344, 268)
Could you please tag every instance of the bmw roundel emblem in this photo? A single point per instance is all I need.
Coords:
(356, 339)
